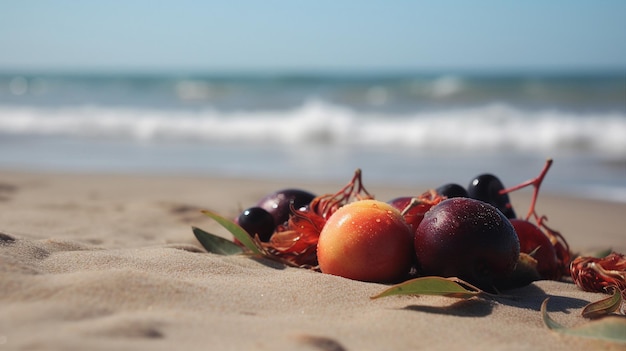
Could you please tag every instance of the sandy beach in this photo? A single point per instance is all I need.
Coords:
(102, 261)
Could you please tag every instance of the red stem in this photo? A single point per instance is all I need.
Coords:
(346, 193)
(536, 183)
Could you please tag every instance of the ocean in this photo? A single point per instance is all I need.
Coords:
(403, 129)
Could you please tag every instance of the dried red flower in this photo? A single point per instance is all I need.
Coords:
(597, 274)
(296, 243)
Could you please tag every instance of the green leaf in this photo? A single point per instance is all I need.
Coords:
(235, 230)
(215, 244)
(451, 287)
(610, 328)
(603, 307)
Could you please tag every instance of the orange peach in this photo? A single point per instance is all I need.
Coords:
(366, 240)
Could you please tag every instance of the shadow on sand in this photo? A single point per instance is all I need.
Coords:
(528, 297)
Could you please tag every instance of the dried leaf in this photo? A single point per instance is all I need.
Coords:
(610, 328)
(215, 244)
(235, 230)
(605, 306)
(451, 287)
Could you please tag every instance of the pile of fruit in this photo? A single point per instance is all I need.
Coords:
(471, 233)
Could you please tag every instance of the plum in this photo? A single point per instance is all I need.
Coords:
(279, 203)
(487, 187)
(452, 190)
(468, 239)
(256, 220)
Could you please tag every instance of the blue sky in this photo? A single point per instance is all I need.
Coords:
(184, 35)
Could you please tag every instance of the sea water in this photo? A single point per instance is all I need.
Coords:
(400, 128)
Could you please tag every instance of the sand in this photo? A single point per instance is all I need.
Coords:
(97, 261)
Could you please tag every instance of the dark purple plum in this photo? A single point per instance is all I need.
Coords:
(256, 220)
(279, 203)
(452, 190)
(468, 239)
(486, 187)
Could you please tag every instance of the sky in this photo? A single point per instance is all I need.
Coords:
(235, 35)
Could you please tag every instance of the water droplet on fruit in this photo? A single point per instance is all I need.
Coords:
(377, 220)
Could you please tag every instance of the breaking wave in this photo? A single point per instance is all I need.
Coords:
(489, 127)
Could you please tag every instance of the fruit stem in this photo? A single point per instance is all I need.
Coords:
(353, 189)
(358, 175)
(413, 203)
(536, 183)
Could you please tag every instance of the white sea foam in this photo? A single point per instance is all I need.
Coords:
(491, 127)
(446, 85)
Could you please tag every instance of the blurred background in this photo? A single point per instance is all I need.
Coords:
(412, 92)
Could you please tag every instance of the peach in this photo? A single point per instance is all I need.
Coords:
(366, 240)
